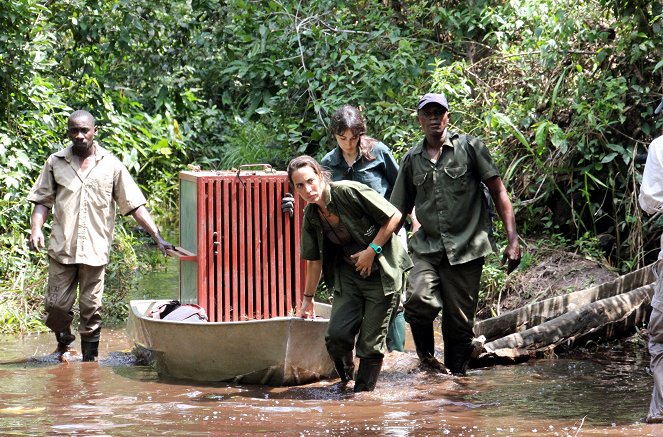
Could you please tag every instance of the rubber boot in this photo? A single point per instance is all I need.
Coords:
(367, 375)
(457, 358)
(424, 341)
(345, 367)
(90, 350)
(64, 339)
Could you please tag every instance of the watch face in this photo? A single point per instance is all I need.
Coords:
(376, 248)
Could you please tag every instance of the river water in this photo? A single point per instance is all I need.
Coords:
(604, 393)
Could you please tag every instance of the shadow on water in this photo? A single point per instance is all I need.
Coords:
(604, 393)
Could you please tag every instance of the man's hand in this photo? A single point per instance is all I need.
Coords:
(37, 240)
(163, 245)
(288, 204)
(511, 257)
(364, 261)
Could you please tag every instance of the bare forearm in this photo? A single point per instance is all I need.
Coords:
(503, 206)
(505, 211)
(39, 216)
(143, 217)
(313, 275)
(392, 225)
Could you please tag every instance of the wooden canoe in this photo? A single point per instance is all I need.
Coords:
(280, 351)
(610, 310)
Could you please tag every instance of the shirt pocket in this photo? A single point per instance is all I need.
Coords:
(419, 179)
(456, 178)
(424, 187)
(100, 191)
(455, 172)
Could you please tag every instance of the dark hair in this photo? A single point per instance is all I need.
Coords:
(306, 161)
(349, 117)
(81, 113)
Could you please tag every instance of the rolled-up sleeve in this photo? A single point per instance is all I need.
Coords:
(44, 190)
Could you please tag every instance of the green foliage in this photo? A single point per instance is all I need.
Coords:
(133, 252)
(251, 143)
(21, 285)
(559, 101)
(560, 91)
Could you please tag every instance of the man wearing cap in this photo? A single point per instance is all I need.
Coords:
(651, 200)
(441, 177)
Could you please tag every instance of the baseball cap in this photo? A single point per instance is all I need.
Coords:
(440, 99)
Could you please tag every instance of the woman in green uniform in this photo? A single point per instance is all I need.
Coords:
(348, 238)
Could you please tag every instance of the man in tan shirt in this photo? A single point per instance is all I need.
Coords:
(82, 184)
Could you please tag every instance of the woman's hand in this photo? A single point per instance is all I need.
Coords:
(364, 261)
(307, 311)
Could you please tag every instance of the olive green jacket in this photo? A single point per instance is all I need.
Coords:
(363, 211)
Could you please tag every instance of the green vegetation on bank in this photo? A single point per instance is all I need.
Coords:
(561, 91)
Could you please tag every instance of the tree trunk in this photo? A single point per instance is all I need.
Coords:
(606, 318)
(540, 312)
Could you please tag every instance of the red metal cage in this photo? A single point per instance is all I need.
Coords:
(239, 254)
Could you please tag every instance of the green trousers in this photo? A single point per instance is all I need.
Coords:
(434, 285)
(361, 311)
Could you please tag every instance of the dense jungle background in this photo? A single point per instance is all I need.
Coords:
(562, 91)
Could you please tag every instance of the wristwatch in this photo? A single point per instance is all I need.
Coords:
(376, 248)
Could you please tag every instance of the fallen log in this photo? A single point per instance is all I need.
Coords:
(606, 318)
(537, 313)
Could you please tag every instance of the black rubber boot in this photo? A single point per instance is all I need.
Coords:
(345, 367)
(64, 338)
(424, 340)
(457, 358)
(367, 374)
(90, 350)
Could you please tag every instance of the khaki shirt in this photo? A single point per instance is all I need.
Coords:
(448, 198)
(84, 209)
(363, 211)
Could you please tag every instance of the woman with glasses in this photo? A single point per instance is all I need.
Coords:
(348, 238)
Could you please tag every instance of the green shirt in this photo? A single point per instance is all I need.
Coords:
(448, 198)
(363, 211)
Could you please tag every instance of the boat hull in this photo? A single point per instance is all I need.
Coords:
(278, 351)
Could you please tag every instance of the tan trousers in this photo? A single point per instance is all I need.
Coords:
(63, 280)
